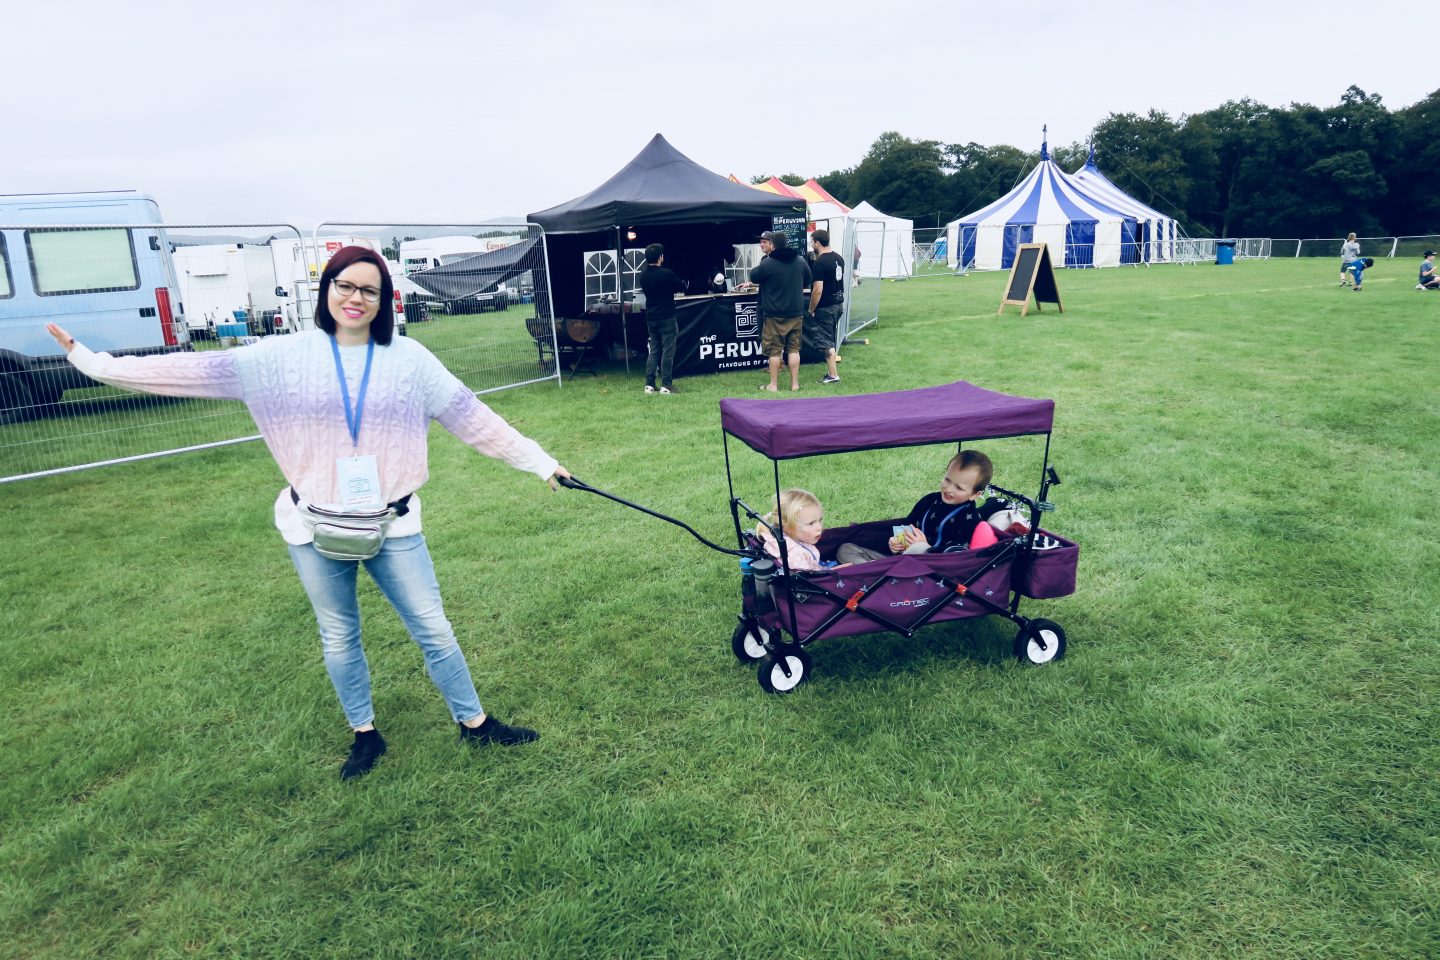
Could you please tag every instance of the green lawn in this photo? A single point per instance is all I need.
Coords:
(1237, 758)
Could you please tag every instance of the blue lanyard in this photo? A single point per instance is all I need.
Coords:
(352, 419)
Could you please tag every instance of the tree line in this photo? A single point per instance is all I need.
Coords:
(1241, 169)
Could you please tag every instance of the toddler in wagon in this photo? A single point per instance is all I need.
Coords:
(940, 522)
(804, 521)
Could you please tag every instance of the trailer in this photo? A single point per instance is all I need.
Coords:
(222, 282)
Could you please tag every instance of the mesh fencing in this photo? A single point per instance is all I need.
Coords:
(141, 289)
(930, 254)
(127, 289)
(862, 306)
(475, 294)
(1409, 246)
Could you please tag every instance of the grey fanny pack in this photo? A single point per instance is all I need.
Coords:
(354, 535)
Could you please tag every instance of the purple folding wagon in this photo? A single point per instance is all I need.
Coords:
(783, 613)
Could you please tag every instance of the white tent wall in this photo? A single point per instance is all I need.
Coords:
(890, 253)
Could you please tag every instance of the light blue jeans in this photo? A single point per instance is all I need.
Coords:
(403, 572)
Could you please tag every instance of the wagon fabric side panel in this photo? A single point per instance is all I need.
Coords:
(901, 589)
(1049, 573)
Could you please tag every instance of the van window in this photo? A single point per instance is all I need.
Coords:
(82, 261)
(6, 288)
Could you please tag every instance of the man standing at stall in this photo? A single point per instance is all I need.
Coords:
(660, 285)
(781, 275)
(827, 300)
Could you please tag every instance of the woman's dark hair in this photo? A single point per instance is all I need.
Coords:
(382, 328)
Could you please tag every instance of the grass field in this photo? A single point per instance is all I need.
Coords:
(1237, 758)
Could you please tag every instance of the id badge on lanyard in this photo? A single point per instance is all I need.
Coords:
(359, 482)
(357, 476)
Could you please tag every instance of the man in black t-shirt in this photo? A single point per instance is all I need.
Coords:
(827, 300)
(660, 286)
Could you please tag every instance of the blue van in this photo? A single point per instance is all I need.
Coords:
(112, 285)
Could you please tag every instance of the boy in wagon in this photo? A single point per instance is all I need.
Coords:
(941, 522)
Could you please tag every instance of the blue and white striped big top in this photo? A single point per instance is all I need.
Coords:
(1157, 232)
(1046, 207)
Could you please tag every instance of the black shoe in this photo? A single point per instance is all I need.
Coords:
(368, 747)
(493, 731)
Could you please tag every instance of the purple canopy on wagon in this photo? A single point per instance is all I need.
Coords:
(905, 418)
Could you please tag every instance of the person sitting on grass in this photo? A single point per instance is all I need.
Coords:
(940, 522)
(1428, 279)
(802, 521)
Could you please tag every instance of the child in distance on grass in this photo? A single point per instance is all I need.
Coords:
(944, 521)
(1358, 267)
(803, 522)
(1349, 253)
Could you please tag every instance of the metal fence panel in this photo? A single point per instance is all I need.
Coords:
(931, 254)
(124, 289)
(863, 302)
(492, 329)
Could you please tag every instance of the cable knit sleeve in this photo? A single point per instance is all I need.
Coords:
(210, 373)
(486, 431)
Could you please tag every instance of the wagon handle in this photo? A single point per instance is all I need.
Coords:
(1041, 505)
(575, 483)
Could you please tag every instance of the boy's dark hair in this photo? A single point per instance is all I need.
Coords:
(966, 459)
(654, 252)
(821, 236)
(1369, 262)
(382, 328)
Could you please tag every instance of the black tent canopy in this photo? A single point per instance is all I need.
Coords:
(664, 197)
(663, 186)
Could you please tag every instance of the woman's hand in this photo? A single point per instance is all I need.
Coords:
(559, 472)
(66, 341)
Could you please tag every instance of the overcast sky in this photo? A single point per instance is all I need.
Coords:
(297, 112)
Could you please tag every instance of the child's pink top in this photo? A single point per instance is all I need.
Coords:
(803, 556)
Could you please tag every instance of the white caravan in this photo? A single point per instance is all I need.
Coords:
(218, 280)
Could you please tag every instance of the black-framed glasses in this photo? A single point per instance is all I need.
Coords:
(345, 288)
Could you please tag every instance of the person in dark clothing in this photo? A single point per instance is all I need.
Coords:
(944, 521)
(782, 276)
(827, 300)
(660, 285)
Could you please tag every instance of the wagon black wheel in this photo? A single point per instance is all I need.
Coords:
(748, 642)
(773, 678)
(1039, 642)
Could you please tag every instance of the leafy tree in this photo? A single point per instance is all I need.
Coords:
(1240, 169)
(839, 184)
(1415, 200)
(903, 177)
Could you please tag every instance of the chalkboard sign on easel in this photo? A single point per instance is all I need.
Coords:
(1031, 273)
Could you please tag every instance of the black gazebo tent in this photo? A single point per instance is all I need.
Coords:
(664, 197)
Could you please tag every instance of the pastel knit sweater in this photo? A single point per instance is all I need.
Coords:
(290, 386)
